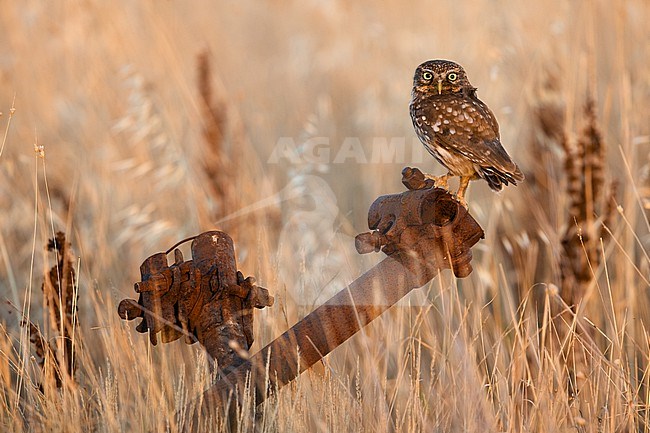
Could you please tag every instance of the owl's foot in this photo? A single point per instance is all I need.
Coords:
(462, 188)
(439, 181)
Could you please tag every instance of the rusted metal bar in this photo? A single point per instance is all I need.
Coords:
(422, 231)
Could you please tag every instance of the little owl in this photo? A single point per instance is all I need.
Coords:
(458, 129)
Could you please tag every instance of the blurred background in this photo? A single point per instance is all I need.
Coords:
(277, 121)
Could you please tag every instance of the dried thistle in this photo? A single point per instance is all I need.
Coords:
(60, 299)
(230, 171)
(590, 205)
(216, 162)
(61, 302)
(214, 114)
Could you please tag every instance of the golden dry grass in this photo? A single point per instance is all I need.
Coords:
(109, 90)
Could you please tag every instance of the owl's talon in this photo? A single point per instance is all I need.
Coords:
(462, 188)
(439, 181)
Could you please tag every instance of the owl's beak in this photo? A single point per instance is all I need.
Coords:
(439, 87)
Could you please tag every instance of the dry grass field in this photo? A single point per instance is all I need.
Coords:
(131, 125)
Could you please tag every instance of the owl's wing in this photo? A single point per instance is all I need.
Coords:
(466, 126)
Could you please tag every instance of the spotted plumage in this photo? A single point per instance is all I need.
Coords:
(458, 129)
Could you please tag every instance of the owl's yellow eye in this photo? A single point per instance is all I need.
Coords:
(452, 76)
(427, 76)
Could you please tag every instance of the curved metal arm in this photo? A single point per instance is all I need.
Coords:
(422, 231)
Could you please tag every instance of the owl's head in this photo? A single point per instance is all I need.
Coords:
(440, 77)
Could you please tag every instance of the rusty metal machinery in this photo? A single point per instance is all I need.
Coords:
(425, 222)
(422, 231)
(204, 299)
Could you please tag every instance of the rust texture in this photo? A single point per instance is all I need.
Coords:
(422, 230)
(204, 299)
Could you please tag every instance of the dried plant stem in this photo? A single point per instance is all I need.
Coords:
(24, 335)
(12, 110)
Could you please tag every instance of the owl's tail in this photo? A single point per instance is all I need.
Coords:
(497, 178)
